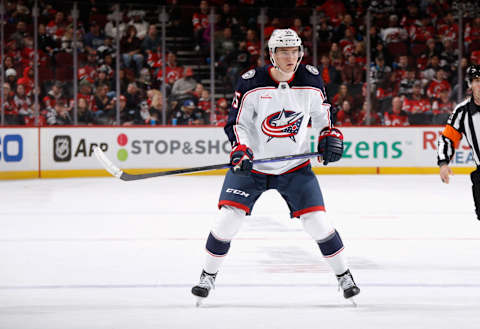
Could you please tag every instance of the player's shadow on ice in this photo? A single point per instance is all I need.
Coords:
(278, 306)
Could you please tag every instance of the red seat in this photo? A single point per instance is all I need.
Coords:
(418, 48)
(397, 49)
(64, 67)
(475, 45)
(45, 73)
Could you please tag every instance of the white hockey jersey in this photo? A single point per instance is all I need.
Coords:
(271, 117)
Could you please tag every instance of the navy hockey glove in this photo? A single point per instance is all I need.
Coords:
(330, 145)
(241, 159)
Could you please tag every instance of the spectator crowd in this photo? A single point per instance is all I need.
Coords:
(414, 68)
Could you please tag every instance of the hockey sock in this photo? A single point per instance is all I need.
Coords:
(223, 231)
(331, 248)
(216, 252)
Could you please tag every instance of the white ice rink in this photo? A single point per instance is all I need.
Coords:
(103, 253)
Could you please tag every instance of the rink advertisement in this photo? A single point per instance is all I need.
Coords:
(68, 151)
(18, 153)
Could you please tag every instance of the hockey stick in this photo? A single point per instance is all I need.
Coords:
(117, 172)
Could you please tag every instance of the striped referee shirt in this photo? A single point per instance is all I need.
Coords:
(465, 119)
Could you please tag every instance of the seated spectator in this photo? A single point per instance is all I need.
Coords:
(253, 44)
(189, 114)
(329, 74)
(237, 62)
(335, 55)
(28, 51)
(130, 49)
(200, 23)
(133, 99)
(342, 95)
(417, 106)
(23, 103)
(325, 30)
(13, 51)
(368, 117)
(111, 28)
(152, 40)
(173, 71)
(107, 49)
(156, 106)
(11, 78)
(438, 84)
(269, 28)
(346, 115)
(56, 27)
(394, 32)
(221, 113)
(85, 92)
(224, 46)
(380, 72)
(66, 41)
(88, 71)
(12, 116)
(94, 38)
(204, 102)
(126, 118)
(54, 95)
(141, 26)
(397, 117)
(27, 80)
(103, 106)
(347, 43)
(59, 115)
(84, 112)
(406, 84)
(447, 28)
(442, 107)
(400, 68)
(352, 72)
(144, 80)
(433, 65)
(146, 117)
(20, 33)
(472, 34)
(104, 76)
(184, 87)
(9, 64)
(45, 41)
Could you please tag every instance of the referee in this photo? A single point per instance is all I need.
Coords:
(465, 120)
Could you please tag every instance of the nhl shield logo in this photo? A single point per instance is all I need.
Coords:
(62, 148)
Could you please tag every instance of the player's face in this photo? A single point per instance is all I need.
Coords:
(286, 58)
(476, 90)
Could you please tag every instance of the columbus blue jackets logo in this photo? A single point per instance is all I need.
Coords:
(282, 124)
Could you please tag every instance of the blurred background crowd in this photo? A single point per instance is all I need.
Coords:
(412, 54)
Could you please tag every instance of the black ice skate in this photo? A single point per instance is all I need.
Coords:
(346, 283)
(201, 290)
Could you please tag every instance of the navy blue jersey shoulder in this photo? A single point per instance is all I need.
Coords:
(308, 76)
(255, 78)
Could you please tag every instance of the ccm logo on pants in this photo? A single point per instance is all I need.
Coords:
(238, 192)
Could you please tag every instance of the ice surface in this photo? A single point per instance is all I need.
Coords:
(103, 253)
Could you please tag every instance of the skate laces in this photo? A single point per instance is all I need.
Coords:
(207, 281)
(345, 282)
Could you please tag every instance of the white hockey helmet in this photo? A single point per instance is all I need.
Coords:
(284, 38)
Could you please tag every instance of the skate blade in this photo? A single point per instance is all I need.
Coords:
(199, 301)
(352, 300)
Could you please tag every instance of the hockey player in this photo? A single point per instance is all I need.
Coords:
(268, 117)
(465, 119)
